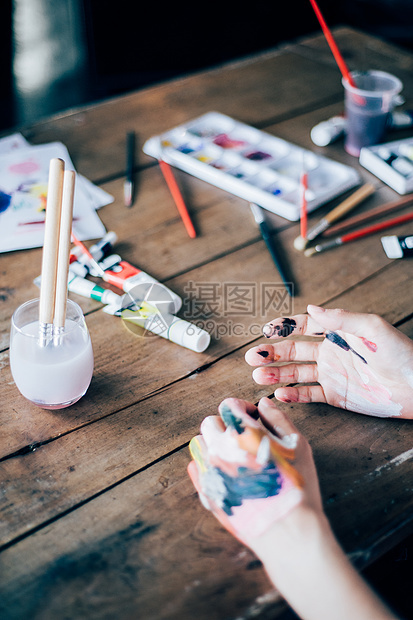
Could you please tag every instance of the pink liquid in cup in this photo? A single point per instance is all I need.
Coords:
(368, 108)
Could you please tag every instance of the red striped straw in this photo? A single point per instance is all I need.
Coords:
(333, 45)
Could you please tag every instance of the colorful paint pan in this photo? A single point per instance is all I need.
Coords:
(241, 159)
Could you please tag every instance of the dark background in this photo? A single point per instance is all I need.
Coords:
(87, 50)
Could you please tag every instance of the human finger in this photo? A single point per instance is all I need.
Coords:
(286, 351)
(297, 325)
(290, 373)
(240, 406)
(276, 420)
(356, 323)
(301, 394)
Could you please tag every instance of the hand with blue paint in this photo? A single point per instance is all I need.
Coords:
(244, 473)
(362, 363)
(255, 472)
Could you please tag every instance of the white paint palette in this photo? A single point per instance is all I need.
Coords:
(252, 164)
(391, 162)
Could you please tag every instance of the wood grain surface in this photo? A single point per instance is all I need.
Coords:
(98, 518)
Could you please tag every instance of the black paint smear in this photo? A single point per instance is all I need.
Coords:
(263, 353)
(284, 330)
(343, 344)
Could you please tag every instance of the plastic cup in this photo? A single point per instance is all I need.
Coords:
(54, 372)
(368, 108)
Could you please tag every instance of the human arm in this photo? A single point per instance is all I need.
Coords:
(362, 364)
(288, 530)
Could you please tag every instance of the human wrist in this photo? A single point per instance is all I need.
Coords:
(291, 535)
(306, 564)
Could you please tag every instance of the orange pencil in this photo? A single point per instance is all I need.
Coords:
(177, 196)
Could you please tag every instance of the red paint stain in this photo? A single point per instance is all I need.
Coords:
(370, 345)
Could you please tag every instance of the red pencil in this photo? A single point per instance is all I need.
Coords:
(177, 196)
(357, 234)
(333, 45)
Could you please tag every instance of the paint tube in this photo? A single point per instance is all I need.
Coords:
(79, 262)
(82, 270)
(98, 250)
(401, 119)
(398, 247)
(329, 131)
(86, 288)
(145, 317)
(400, 163)
(141, 286)
(123, 275)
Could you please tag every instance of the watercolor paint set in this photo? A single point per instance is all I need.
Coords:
(252, 164)
(391, 162)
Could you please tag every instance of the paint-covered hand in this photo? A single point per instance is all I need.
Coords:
(251, 477)
(362, 364)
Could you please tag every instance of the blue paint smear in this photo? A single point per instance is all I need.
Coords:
(249, 484)
(5, 200)
(231, 420)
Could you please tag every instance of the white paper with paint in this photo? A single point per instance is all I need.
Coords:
(24, 173)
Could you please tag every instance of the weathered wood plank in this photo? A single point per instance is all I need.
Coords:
(65, 472)
(147, 547)
(130, 365)
(97, 146)
(98, 515)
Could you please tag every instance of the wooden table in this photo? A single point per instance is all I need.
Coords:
(98, 516)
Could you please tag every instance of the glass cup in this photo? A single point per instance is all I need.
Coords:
(368, 108)
(53, 371)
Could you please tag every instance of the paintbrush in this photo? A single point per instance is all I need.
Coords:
(64, 251)
(128, 186)
(50, 249)
(368, 216)
(333, 45)
(358, 234)
(342, 209)
(271, 246)
(303, 206)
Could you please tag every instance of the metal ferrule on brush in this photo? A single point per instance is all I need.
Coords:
(317, 229)
(45, 333)
(320, 247)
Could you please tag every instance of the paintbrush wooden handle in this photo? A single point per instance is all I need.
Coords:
(370, 215)
(352, 201)
(64, 248)
(51, 241)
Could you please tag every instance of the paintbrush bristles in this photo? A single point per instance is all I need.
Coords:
(51, 242)
(300, 243)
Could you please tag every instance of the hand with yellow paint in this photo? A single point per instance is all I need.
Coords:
(255, 472)
(249, 465)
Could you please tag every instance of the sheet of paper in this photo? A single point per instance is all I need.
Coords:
(15, 141)
(24, 172)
